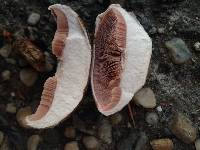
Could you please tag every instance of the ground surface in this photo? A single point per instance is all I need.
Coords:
(177, 87)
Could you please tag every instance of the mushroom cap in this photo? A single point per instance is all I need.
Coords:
(123, 73)
(63, 92)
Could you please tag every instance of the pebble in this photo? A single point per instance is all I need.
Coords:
(127, 143)
(145, 97)
(11, 108)
(182, 127)
(116, 118)
(197, 46)
(162, 144)
(151, 118)
(161, 30)
(21, 114)
(33, 142)
(70, 132)
(153, 30)
(142, 143)
(159, 109)
(6, 75)
(1, 138)
(197, 144)
(105, 131)
(178, 50)
(28, 77)
(91, 143)
(71, 146)
(5, 51)
(33, 18)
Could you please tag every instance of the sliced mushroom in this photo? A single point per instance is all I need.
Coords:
(120, 60)
(63, 92)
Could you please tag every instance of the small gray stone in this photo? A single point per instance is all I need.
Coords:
(105, 131)
(116, 118)
(161, 30)
(70, 132)
(145, 97)
(1, 138)
(5, 51)
(33, 142)
(197, 46)
(151, 118)
(182, 127)
(28, 76)
(142, 143)
(11, 108)
(71, 146)
(6, 75)
(91, 143)
(178, 50)
(153, 30)
(33, 18)
(197, 144)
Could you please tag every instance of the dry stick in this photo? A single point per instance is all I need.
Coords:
(131, 114)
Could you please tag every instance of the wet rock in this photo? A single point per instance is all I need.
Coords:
(28, 76)
(145, 97)
(178, 50)
(127, 143)
(91, 143)
(71, 146)
(11, 108)
(21, 114)
(33, 18)
(197, 46)
(70, 132)
(182, 127)
(142, 143)
(197, 144)
(29, 51)
(33, 142)
(151, 118)
(105, 131)
(162, 144)
(6, 75)
(5, 51)
(1, 138)
(116, 118)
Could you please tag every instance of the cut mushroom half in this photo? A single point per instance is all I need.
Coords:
(122, 52)
(63, 92)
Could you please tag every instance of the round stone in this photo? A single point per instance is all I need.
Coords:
(91, 143)
(71, 146)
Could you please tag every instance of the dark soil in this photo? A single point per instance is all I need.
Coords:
(177, 87)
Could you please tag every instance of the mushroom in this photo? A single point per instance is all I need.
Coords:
(122, 51)
(63, 92)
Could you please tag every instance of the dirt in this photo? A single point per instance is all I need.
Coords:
(176, 87)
